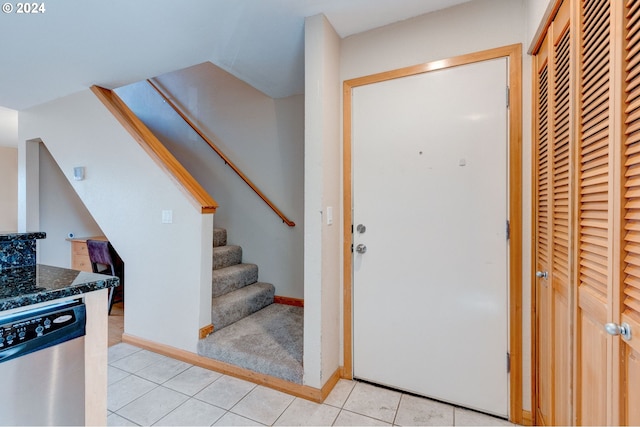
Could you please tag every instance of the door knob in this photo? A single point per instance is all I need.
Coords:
(623, 329)
(542, 274)
(361, 228)
(361, 249)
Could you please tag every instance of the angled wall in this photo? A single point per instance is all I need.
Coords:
(61, 212)
(167, 266)
(263, 136)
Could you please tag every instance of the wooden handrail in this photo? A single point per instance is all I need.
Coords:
(222, 155)
(156, 149)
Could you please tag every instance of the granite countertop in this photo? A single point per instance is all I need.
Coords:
(23, 286)
(12, 237)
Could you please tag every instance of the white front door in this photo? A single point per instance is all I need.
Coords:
(430, 301)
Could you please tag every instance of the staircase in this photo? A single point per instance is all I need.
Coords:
(236, 290)
(250, 331)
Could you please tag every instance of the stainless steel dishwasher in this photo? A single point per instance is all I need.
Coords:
(42, 365)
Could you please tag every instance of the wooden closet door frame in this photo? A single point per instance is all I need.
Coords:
(620, 390)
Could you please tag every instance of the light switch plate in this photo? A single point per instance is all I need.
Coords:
(167, 216)
(78, 173)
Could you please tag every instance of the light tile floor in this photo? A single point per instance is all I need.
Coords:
(146, 388)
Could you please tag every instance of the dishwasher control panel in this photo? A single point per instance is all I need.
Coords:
(34, 329)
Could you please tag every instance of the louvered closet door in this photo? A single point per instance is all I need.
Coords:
(561, 183)
(544, 381)
(630, 301)
(595, 284)
(553, 338)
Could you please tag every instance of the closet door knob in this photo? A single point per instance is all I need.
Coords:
(623, 329)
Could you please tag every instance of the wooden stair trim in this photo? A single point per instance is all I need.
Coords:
(296, 302)
(219, 152)
(205, 331)
(158, 152)
(298, 390)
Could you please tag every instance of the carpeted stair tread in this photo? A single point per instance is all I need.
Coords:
(269, 341)
(219, 237)
(229, 279)
(233, 306)
(226, 256)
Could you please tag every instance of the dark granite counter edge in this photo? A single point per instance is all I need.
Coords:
(12, 237)
(53, 294)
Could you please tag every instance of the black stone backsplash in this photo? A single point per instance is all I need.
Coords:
(18, 249)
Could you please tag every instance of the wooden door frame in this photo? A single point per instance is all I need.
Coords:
(514, 55)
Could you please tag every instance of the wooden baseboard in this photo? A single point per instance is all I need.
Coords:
(205, 331)
(330, 384)
(344, 374)
(303, 391)
(527, 418)
(297, 302)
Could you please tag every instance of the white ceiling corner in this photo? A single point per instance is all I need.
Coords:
(75, 44)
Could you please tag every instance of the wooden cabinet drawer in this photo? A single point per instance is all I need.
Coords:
(81, 262)
(80, 254)
(79, 248)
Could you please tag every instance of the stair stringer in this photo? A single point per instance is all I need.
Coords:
(168, 266)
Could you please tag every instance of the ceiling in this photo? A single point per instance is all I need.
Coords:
(77, 43)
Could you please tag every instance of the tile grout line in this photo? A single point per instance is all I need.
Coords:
(121, 416)
(242, 398)
(136, 399)
(197, 400)
(344, 402)
(189, 397)
(246, 417)
(395, 416)
(282, 413)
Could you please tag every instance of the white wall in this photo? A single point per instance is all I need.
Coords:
(470, 27)
(323, 187)
(263, 136)
(536, 10)
(8, 189)
(8, 169)
(8, 128)
(61, 212)
(168, 266)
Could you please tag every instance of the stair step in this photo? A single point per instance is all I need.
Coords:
(233, 306)
(219, 237)
(226, 256)
(234, 277)
(269, 341)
